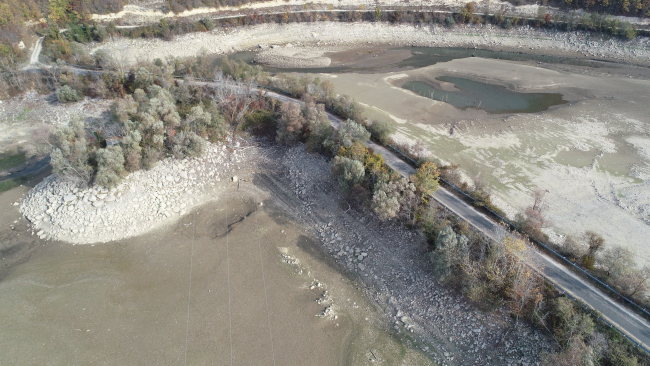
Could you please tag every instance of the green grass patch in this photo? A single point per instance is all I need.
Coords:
(10, 161)
(7, 185)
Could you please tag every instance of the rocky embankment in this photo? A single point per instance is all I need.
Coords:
(354, 35)
(145, 200)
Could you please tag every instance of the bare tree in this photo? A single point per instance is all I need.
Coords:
(616, 260)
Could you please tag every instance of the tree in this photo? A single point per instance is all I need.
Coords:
(426, 179)
(70, 154)
(570, 324)
(348, 172)
(317, 124)
(188, 144)
(617, 260)
(634, 281)
(66, 94)
(348, 133)
(450, 252)
(534, 218)
(386, 200)
(131, 147)
(576, 354)
(291, 124)
(110, 166)
(381, 130)
(574, 247)
(143, 78)
(196, 120)
(390, 196)
(594, 241)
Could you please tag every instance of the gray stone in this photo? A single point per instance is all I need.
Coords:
(98, 203)
(235, 179)
(69, 198)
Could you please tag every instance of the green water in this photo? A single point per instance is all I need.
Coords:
(489, 97)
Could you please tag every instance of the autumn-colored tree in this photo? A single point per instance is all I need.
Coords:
(426, 179)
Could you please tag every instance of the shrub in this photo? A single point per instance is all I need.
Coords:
(188, 144)
(381, 130)
(66, 94)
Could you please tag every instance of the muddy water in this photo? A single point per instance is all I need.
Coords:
(230, 283)
(488, 97)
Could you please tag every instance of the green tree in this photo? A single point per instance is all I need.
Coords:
(449, 254)
(110, 166)
(570, 324)
(381, 130)
(70, 154)
(188, 144)
(348, 133)
(66, 94)
(348, 172)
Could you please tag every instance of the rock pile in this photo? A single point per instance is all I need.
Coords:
(389, 260)
(143, 201)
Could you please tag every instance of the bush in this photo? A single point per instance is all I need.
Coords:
(449, 254)
(381, 130)
(188, 144)
(349, 172)
(66, 94)
(450, 22)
